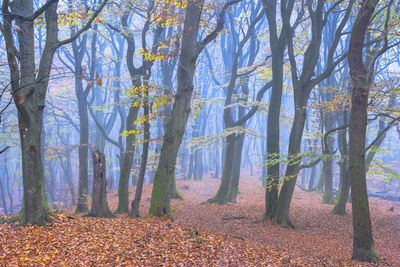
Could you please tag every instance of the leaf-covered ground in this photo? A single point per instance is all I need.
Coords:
(207, 234)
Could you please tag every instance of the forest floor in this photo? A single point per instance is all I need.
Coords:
(204, 234)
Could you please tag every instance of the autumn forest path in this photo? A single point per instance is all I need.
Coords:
(202, 234)
(319, 236)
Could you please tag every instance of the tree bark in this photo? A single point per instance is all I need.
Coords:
(99, 196)
(175, 128)
(145, 152)
(126, 163)
(3, 197)
(363, 243)
(292, 170)
(83, 154)
(222, 195)
(313, 172)
(327, 197)
(344, 188)
(277, 44)
(234, 185)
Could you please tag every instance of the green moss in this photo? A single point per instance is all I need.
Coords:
(160, 205)
(13, 219)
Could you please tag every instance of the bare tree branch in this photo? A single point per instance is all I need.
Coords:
(84, 28)
(35, 15)
(4, 149)
(219, 27)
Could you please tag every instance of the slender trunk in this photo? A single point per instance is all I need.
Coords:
(9, 190)
(126, 164)
(191, 164)
(192, 155)
(198, 168)
(222, 195)
(371, 154)
(327, 197)
(321, 181)
(51, 186)
(3, 198)
(363, 242)
(143, 164)
(313, 172)
(340, 207)
(175, 129)
(68, 177)
(234, 185)
(274, 110)
(217, 162)
(344, 188)
(83, 154)
(286, 193)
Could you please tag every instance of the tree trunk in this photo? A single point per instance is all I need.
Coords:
(327, 197)
(340, 207)
(192, 155)
(83, 156)
(191, 48)
(234, 185)
(174, 191)
(143, 164)
(363, 242)
(9, 189)
(292, 170)
(198, 167)
(278, 44)
(217, 159)
(344, 188)
(34, 200)
(126, 164)
(222, 195)
(321, 182)
(371, 154)
(311, 182)
(99, 196)
(3, 198)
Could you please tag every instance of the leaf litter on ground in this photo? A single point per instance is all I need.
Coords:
(202, 234)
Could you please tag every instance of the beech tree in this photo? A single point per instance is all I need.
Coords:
(303, 82)
(234, 142)
(29, 85)
(175, 128)
(362, 74)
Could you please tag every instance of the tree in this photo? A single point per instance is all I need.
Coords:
(99, 197)
(277, 43)
(363, 243)
(136, 75)
(234, 142)
(29, 85)
(303, 82)
(191, 49)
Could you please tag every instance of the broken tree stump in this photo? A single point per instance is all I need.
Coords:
(99, 198)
